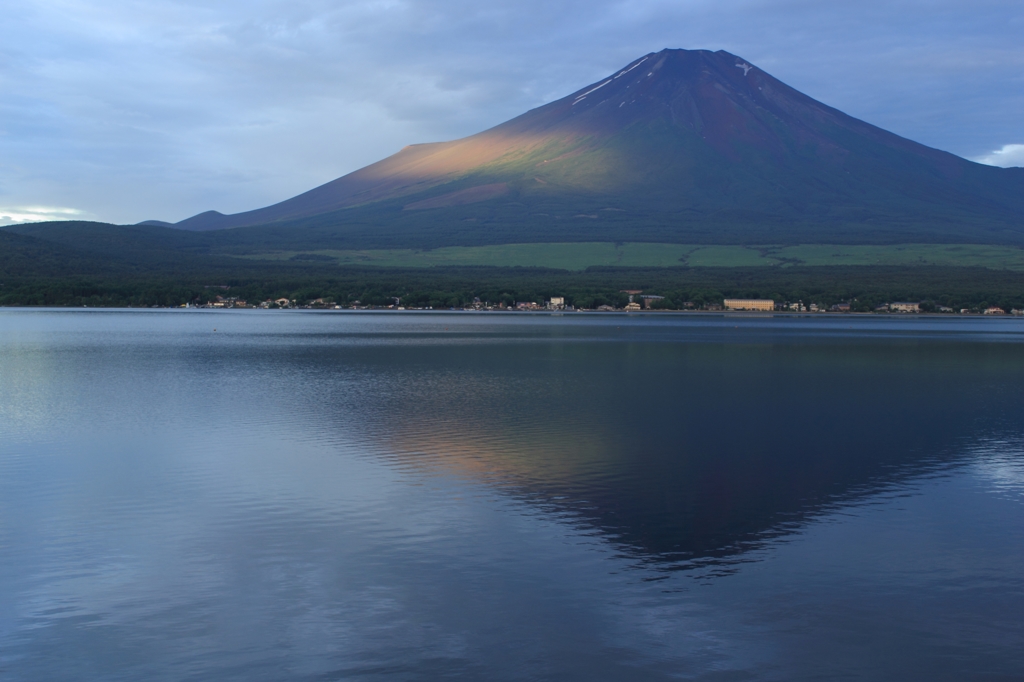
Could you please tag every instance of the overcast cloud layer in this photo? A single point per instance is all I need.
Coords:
(125, 110)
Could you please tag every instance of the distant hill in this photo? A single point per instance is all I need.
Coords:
(678, 146)
(72, 248)
(27, 256)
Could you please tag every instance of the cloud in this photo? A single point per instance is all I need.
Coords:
(35, 214)
(162, 109)
(1008, 156)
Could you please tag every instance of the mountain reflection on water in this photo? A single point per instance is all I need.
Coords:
(282, 495)
(686, 451)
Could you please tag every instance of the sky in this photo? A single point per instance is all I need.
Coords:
(128, 110)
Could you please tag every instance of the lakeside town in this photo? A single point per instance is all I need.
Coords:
(637, 302)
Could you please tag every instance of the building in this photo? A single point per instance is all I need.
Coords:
(905, 307)
(841, 307)
(749, 304)
(556, 303)
(648, 300)
(632, 306)
(994, 310)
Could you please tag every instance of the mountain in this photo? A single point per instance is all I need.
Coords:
(680, 146)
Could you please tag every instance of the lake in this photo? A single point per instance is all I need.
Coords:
(302, 495)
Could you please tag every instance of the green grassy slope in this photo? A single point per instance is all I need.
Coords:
(579, 256)
(62, 248)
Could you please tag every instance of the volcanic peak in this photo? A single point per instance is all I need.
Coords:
(685, 139)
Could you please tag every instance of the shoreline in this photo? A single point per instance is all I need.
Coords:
(550, 313)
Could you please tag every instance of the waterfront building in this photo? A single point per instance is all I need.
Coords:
(749, 304)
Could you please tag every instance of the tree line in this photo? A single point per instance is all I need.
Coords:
(865, 287)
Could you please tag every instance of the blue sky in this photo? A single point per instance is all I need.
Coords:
(125, 110)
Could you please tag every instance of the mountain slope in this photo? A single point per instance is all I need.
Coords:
(677, 146)
(27, 256)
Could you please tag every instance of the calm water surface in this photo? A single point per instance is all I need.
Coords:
(280, 495)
